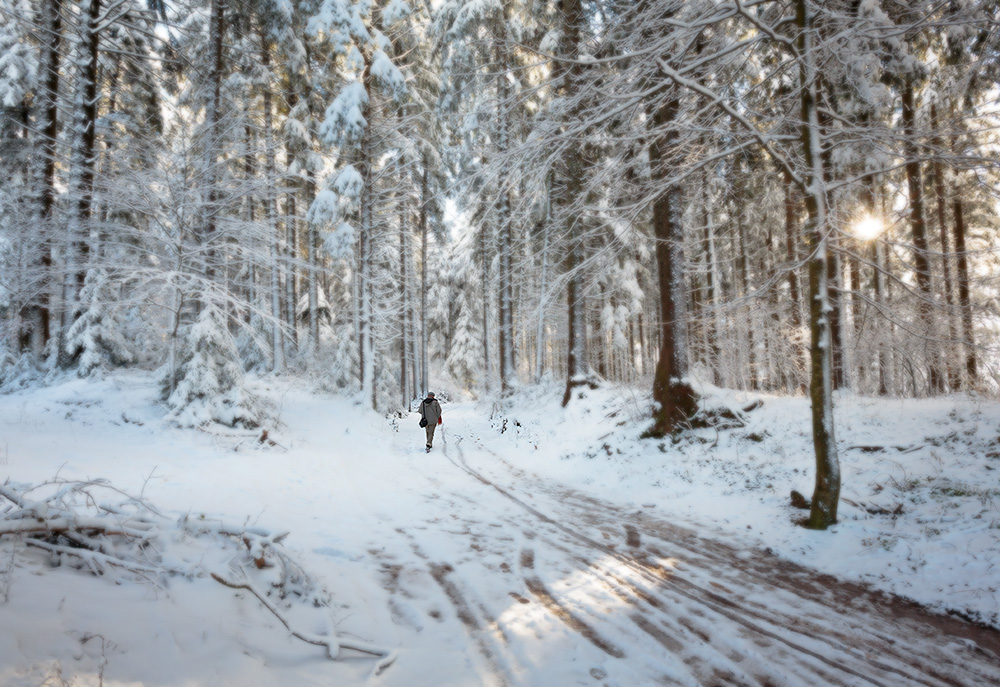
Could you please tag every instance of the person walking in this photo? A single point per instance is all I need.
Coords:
(430, 416)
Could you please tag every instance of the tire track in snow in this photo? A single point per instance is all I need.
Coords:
(807, 586)
(559, 610)
(485, 631)
(808, 642)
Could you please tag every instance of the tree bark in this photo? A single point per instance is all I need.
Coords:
(826, 495)
(505, 234)
(366, 335)
(217, 24)
(953, 376)
(39, 316)
(271, 182)
(675, 399)
(964, 300)
(570, 74)
(918, 228)
(83, 163)
(425, 198)
(791, 230)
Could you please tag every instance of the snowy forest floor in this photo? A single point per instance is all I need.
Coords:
(535, 545)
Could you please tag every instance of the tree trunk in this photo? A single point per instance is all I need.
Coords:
(918, 227)
(271, 183)
(217, 24)
(366, 340)
(425, 198)
(675, 399)
(250, 216)
(543, 288)
(288, 258)
(791, 229)
(83, 160)
(568, 75)
(826, 495)
(834, 274)
(954, 378)
(39, 312)
(505, 237)
(744, 266)
(484, 285)
(713, 283)
(964, 301)
(404, 320)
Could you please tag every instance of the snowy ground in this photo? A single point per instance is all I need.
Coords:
(534, 546)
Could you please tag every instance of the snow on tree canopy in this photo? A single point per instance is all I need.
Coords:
(344, 122)
(388, 74)
(343, 20)
(395, 11)
(349, 182)
(339, 244)
(18, 67)
(324, 207)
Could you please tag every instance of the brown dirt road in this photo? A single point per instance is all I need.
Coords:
(551, 574)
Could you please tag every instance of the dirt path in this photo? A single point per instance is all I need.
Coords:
(549, 574)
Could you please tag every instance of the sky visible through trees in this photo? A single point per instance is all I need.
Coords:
(788, 196)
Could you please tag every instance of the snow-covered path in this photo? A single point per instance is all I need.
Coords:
(556, 587)
(471, 567)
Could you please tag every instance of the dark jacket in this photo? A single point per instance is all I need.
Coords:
(431, 410)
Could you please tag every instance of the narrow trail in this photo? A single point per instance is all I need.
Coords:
(629, 588)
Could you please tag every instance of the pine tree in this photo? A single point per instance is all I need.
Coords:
(98, 337)
(210, 385)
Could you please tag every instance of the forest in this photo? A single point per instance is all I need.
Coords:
(788, 196)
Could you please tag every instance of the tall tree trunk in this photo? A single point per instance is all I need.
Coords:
(954, 378)
(854, 267)
(744, 267)
(834, 274)
(791, 231)
(250, 215)
(39, 312)
(217, 28)
(713, 283)
(313, 248)
(543, 285)
(366, 258)
(569, 75)
(674, 397)
(313, 239)
(83, 162)
(964, 300)
(826, 495)
(484, 285)
(505, 235)
(879, 279)
(271, 183)
(918, 228)
(404, 320)
(289, 258)
(425, 198)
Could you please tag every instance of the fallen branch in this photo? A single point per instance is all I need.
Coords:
(883, 449)
(332, 645)
(74, 522)
(96, 559)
